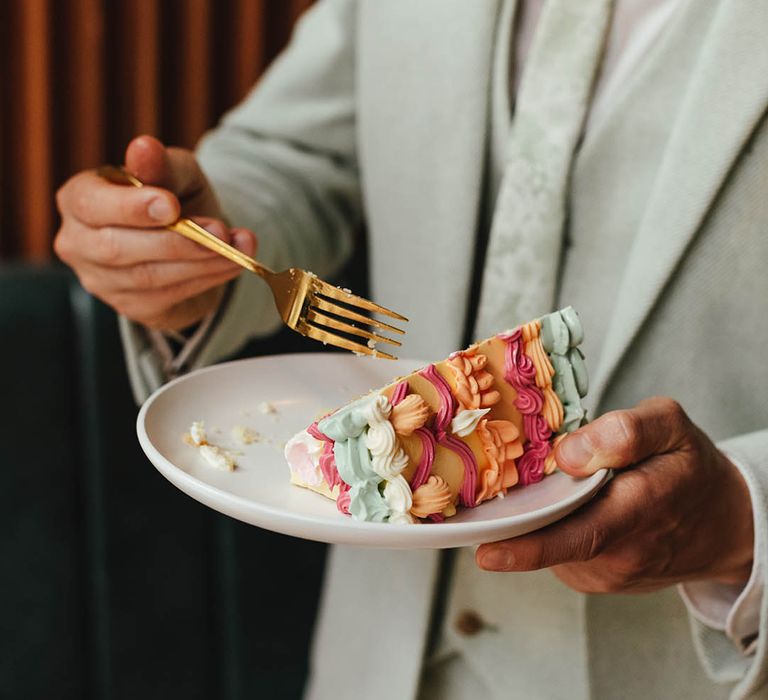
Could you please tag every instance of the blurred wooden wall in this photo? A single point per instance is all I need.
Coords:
(79, 78)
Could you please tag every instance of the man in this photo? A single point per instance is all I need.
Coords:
(639, 135)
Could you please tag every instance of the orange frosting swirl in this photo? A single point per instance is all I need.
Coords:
(473, 383)
(552, 410)
(502, 446)
(409, 415)
(549, 462)
(434, 496)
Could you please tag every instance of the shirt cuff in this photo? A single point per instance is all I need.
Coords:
(175, 349)
(731, 609)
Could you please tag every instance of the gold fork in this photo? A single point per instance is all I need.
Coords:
(306, 304)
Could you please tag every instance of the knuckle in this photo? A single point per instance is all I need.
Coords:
(64, 195)
(670, 406)
(593, 543)
(629, 429)
(108, 249)
(130, 210)
(61, 198)
(144, 276)
(61, 244)
(83, 204)
(674, 411)
(176, 247)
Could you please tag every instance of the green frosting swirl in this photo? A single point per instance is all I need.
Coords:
(561, 333)
(348, 428)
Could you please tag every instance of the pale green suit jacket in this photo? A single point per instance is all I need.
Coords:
(380, 110)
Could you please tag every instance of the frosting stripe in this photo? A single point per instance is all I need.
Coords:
(428, 445)
(400, 392)
(520, 372)
(442, 422)
(469, 484)
(447, 402)
(327, 461)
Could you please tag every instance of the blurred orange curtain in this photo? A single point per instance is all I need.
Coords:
(79, 78)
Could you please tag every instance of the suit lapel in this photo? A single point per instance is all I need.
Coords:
(423, 89)
(726, 98)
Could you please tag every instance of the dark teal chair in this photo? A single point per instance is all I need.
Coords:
(113, 584)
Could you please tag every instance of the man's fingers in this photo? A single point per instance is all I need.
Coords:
(245, 241)
(175, 306)
(95, 202)
(623, 438)
(121, 247)
(175, 169)
(580, 537)
(152, 276)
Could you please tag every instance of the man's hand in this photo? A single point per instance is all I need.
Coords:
(113, 237)
(677, 509)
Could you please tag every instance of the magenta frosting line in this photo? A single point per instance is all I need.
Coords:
(436, 517)
(443, 420)
(314, 431)
(400, 392)
(520, 373)
(469, 484)
(427, 458)
(343, 499)
(447, 402)
(327, 460)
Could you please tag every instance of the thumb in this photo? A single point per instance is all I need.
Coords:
(624, 438)
(175, 169)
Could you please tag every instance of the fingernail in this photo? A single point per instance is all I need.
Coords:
(160, 209)
(575, 452)
(242, 241)
(498, 560)
(217, 229)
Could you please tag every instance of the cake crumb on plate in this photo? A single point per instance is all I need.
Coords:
(245, 435)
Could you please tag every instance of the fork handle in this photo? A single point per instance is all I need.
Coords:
(188, 228)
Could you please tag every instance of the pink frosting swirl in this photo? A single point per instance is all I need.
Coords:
(537, 429)
(327, 461)
(469, 483)
(400, 392)
(443, 419)
(529, 400)
(530, 466)
(520, 372)
(447, 402)
(428, 444)
(314, 431)
(343, 499)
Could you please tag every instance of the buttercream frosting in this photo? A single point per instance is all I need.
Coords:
(431, 497)
(465, 422)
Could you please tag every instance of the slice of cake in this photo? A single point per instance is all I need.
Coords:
(455, 433)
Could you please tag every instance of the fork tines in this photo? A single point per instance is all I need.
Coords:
(334, 316)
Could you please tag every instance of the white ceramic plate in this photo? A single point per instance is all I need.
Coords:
(302, 387)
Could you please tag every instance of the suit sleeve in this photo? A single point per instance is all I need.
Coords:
(284, 164)
(743, 661)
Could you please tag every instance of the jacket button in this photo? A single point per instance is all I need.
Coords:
(468, 623)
